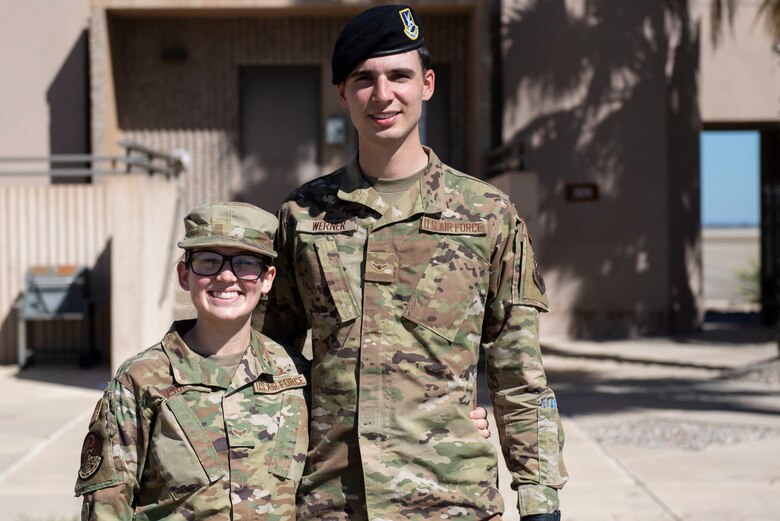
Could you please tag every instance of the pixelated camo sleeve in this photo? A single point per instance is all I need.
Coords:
(107, 475)
(525, 408)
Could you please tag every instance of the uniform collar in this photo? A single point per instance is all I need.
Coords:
(354, 188)
(189, 368)
(256, 361)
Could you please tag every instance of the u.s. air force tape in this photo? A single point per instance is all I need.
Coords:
(279, 384)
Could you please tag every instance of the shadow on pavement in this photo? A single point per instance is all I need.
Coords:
(592, 378)
(619, 357)
(731, 328)
(581, 393)
(70, 375)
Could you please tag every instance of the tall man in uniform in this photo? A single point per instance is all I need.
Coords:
(403, 268)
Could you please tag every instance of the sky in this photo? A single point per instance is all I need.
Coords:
(730, 178)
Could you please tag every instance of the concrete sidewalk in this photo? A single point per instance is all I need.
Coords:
(44, 412)
(670, 429)
(656, 430)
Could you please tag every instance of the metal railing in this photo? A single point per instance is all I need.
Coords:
(137, 158)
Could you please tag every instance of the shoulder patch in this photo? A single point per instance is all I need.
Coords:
(528, 286)
(97, 466)
(91, 455)
(537, 276)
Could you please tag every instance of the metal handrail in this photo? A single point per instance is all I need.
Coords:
(137, 156)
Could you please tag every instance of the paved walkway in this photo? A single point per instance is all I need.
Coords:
(44, 413)
(670, 429)
(656, 430)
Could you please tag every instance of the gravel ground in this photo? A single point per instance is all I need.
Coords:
(663, 433)
(668, 433)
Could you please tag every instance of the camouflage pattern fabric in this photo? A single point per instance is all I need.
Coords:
(399, 300)
(176, 437)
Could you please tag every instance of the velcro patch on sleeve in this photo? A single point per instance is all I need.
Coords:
(96, 468)
(91, 455)
(528, 288)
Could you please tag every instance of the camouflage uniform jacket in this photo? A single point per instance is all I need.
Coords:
(399, 301)
(174, 437)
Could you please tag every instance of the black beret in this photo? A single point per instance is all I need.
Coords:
(379, 31)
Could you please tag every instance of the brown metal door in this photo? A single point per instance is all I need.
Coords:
(280, 131)
(436, 128)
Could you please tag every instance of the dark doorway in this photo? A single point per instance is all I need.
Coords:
(280, 131)
(770, 225)
(435, 125)
(724, 207)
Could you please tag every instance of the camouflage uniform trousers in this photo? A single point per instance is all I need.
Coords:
(400, 299)
(176, 437)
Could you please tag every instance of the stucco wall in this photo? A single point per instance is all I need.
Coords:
(194, 103)
(606, 94)
(44, 107)
(740, 76)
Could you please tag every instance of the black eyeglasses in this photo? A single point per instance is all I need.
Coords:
(243, 266)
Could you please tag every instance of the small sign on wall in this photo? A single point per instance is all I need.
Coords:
(335, 130)
(582, 192)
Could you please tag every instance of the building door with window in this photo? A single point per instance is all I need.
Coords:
(280, 131)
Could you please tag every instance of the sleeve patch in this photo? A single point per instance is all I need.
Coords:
(97, 467)
(91, 455)
(538, 280)
(528, 288)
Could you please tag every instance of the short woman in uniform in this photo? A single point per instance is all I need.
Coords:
(211, 422)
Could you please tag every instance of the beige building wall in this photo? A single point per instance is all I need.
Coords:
(44, 107)
(124, 231)
(54, 225)
(195, 104)
(607, 97)
(144, 210)
(598, 95)
(740, 77)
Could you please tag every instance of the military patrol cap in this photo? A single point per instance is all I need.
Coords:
(230, 224)
(379, 31)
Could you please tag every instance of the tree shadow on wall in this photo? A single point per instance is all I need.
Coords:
(607, 95)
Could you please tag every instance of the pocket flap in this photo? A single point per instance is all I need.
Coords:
(197, 437)
(333, 270)
(292, 439)
(446, 289)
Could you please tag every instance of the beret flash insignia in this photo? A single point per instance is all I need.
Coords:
(410, 28)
